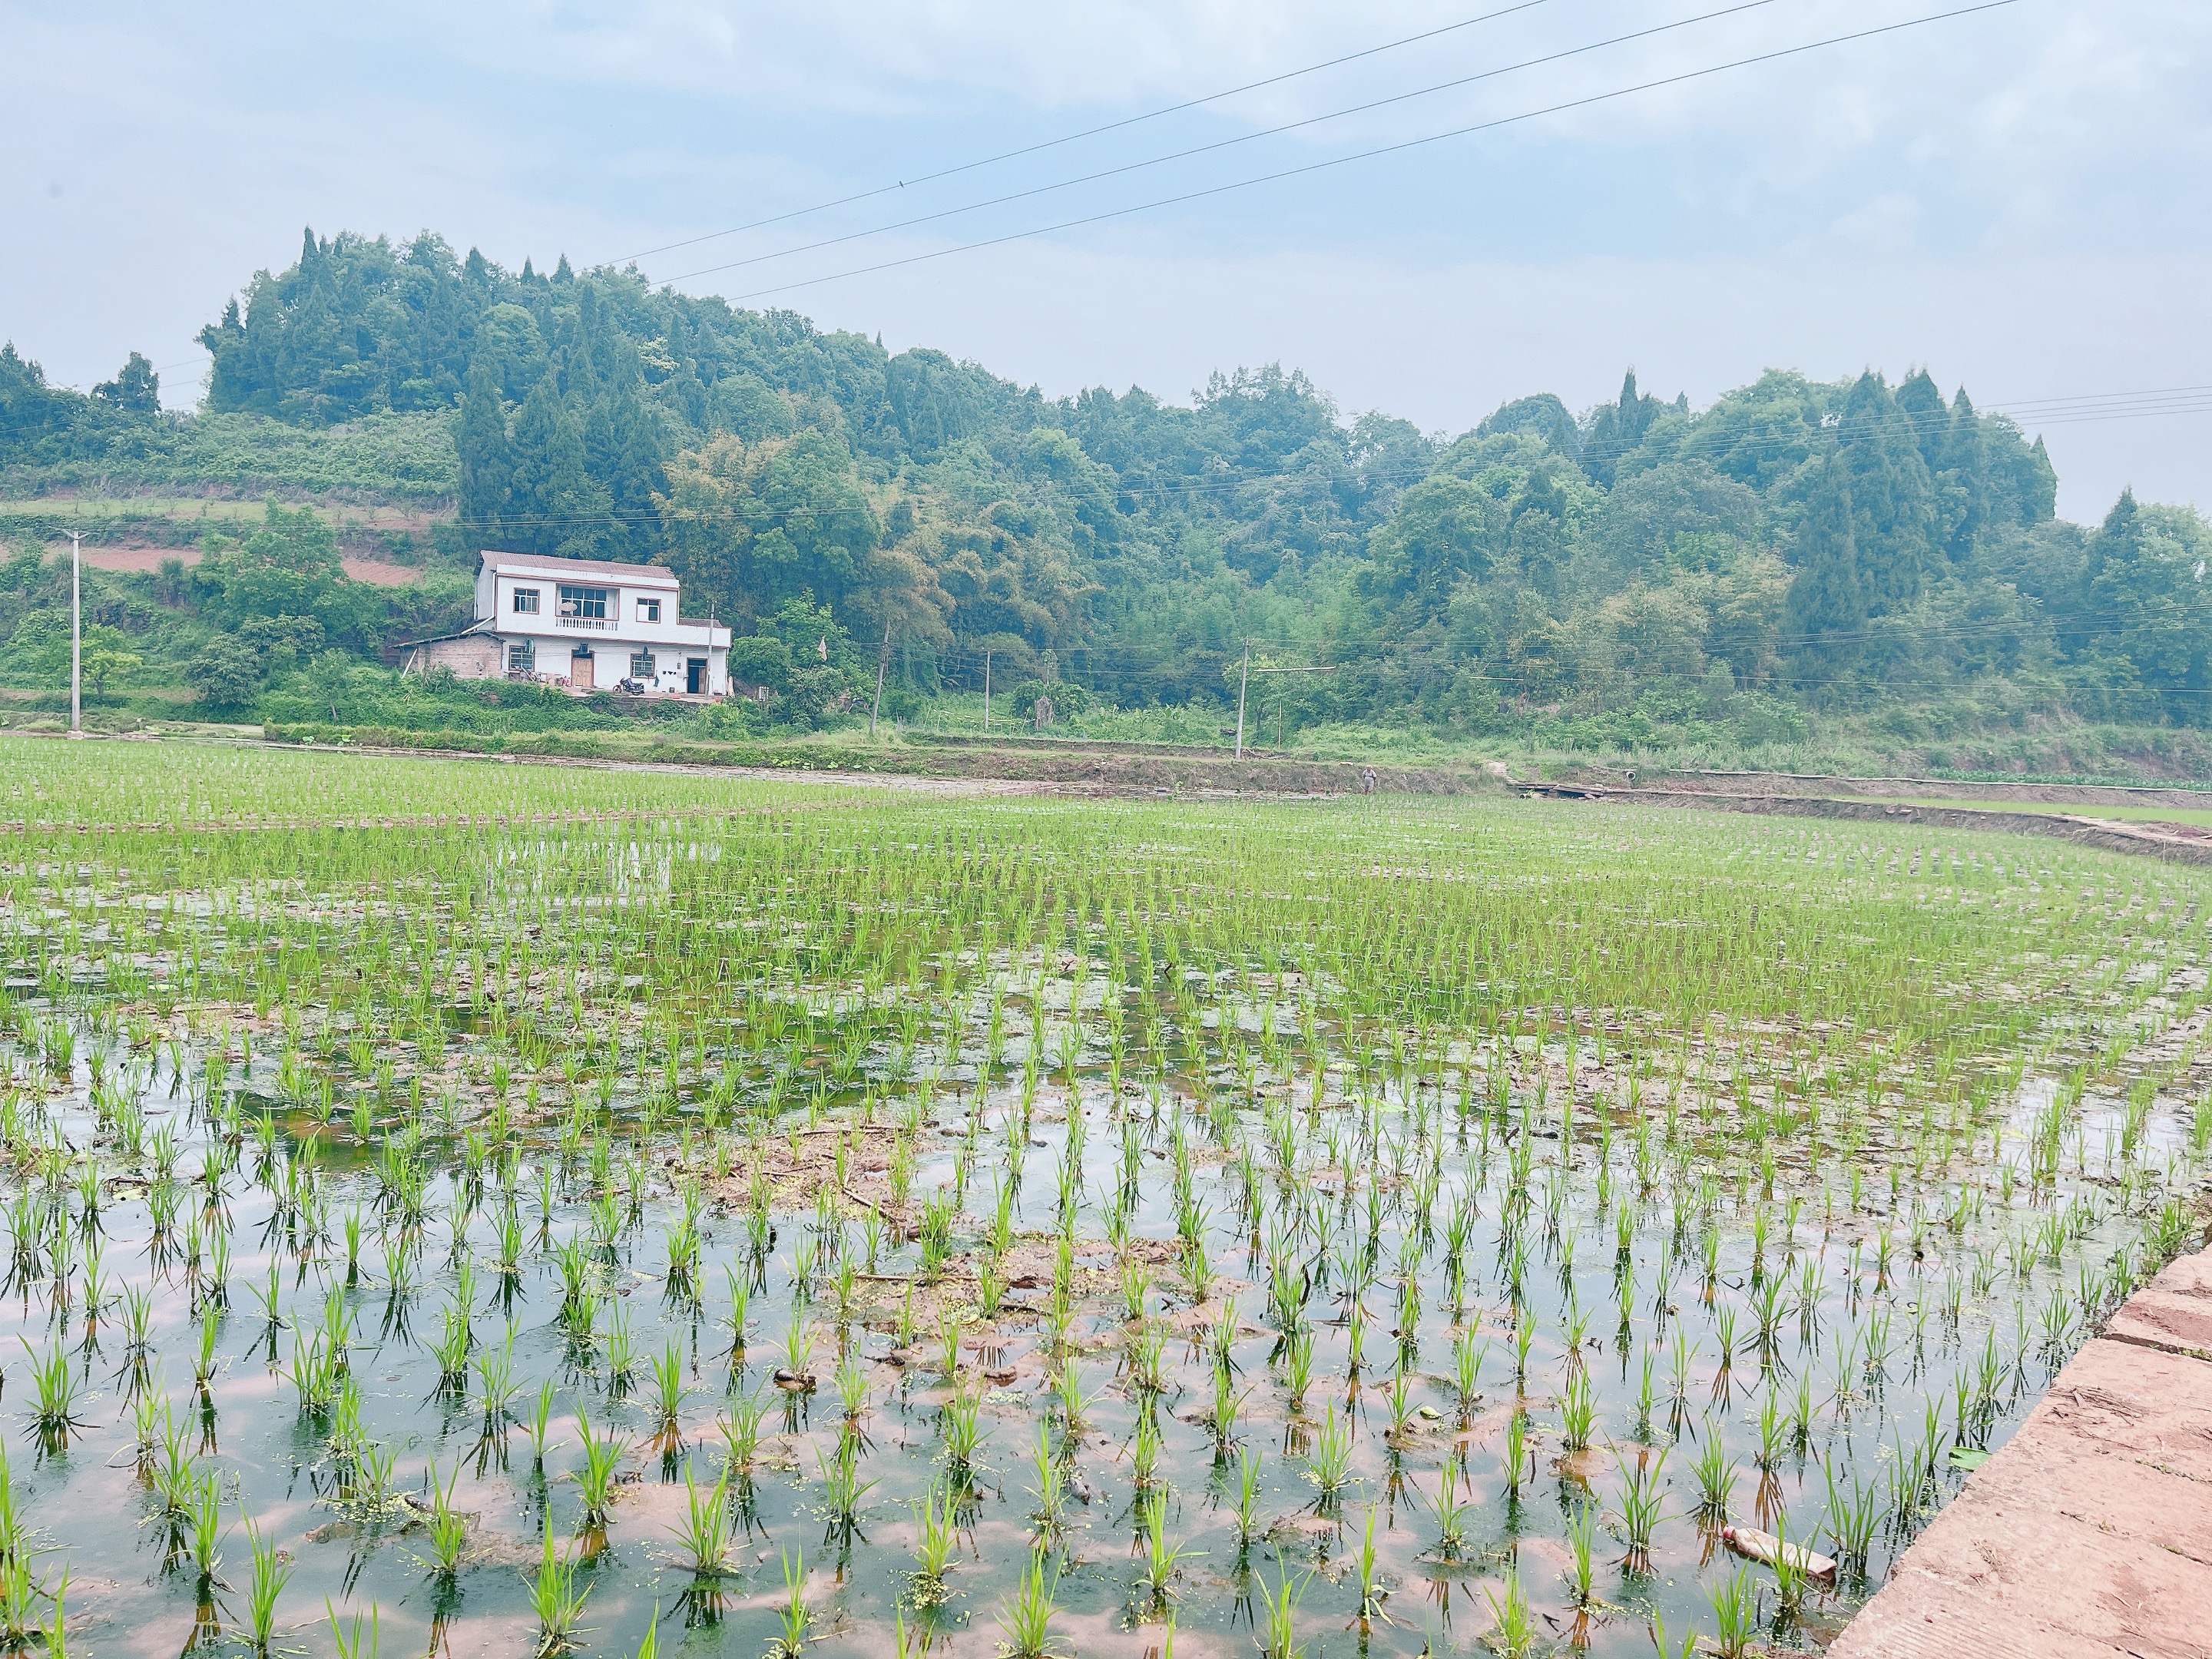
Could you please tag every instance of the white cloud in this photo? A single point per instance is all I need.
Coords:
(1926, 196)
(1888, 225)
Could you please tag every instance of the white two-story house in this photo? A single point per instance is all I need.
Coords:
(586, 624)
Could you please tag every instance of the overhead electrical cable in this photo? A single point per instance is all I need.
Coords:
(1398, 148)
(1091, 133)
(1217, 144)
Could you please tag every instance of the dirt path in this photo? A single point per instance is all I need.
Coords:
(2090, 1532)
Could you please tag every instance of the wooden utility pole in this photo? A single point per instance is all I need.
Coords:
(1244, 675)
(986, 694)
(883, 661)
(76, 631)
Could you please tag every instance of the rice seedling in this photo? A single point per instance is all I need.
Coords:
(1582, 1547)
(1578, 1414)
(1516, 1457)
(1051, 1482)
(963, 1432)
(1247, 1496)
(22, 1602)
(702, 1534)
(1736, 1614)
(540, 1423)
(351, 1640)
(1144, 1452)
(741, 1433)
(797, 1617)
(1372, 1592)
(607, 1029)
(1853, 1515)
(842, 1489)
(1512, 1631)
(1328, 1464)
(1716, 1474)
(449, 1529)
(595, 1481)
(496, 1385)
(1159, 1562)
(1641, 1504)
(1025, 1617)
(556, 1599)
(1279, 1610)
(668, 1392)
(1298, 1367)
(56, 1393)
(935, 1538)
(1468, 1352)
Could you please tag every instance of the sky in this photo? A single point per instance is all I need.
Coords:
(2018, 199)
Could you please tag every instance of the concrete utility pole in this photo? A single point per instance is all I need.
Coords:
(986, 694)
(76, 630)
(1244, 675)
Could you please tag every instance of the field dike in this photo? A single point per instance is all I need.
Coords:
(2181, 844)
(1072, 767)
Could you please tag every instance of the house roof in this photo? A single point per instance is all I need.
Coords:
(653, 575)
(481, 626)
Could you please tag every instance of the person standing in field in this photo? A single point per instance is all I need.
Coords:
(1366, 779)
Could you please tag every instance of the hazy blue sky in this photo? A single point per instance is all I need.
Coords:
(2017, 199)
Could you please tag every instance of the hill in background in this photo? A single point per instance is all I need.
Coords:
(1854, 569)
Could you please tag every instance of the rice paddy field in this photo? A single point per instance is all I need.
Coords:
(477, 1208)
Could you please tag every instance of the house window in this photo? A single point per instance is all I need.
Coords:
(525, 601)
(583, 602)
(648, 611)
(641, 664)
(522, 658)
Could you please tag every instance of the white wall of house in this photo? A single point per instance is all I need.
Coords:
(592, 625)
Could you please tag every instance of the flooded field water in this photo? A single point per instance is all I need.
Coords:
(492, 1210)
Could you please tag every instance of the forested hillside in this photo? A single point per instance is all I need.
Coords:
(1799, 550)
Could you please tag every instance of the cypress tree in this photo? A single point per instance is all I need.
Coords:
(555, 505)
(487, 459)
(1827, 604)
(1893, 509)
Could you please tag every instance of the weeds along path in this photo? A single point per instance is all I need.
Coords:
(497, 1202)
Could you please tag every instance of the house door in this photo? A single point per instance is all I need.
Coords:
(582, 671)
(695, 676)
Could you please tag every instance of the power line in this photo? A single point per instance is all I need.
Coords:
(1227, 144)
(1089, 132)
(1400, 147)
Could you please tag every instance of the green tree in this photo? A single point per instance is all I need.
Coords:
(1827, 608)
(1443, 531)
(487, 460)
(136, 389)
(289, 566)
(555, 505)
(1892, 509)
(2150, 589)
(227, 672)
(106, 653)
